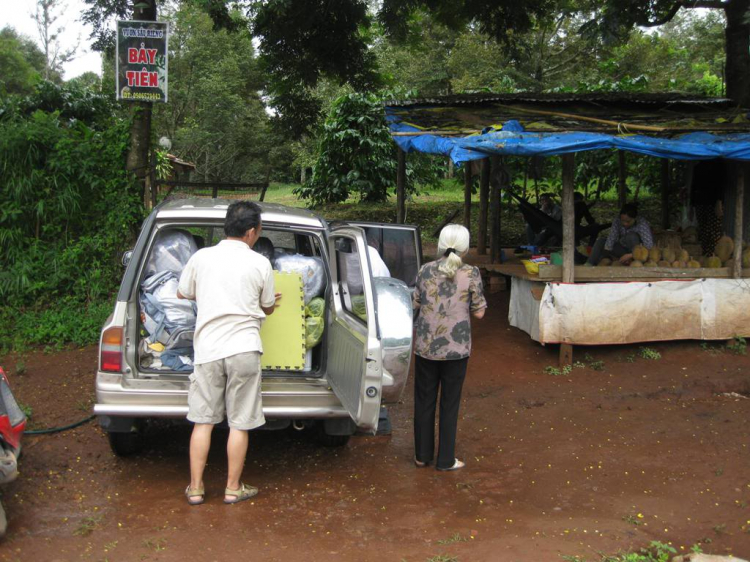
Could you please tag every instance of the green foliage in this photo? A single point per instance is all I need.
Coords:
(356, 154)
(302, 41)
(738, 345)
(67, 209)
(648, 353)
(215, 117)
(20, 63)
(555, 372)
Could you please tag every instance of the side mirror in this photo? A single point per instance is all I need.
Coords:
(126, 258)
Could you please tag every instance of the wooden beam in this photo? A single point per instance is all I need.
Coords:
(568, 241)
(496, 172)
(665, 187)
(738, 215)
(467, 195)
(401, 188)
(484, 200)
(622, 179)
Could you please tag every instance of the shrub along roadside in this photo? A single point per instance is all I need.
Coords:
(67, 210)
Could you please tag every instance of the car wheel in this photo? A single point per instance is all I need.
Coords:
(328, 440)
(126, 444)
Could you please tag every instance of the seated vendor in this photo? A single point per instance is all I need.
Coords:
(545, 236)
(626, 233)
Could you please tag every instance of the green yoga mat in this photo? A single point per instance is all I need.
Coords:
(283, 333)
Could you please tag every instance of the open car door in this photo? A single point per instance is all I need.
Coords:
(399, 245)
(355, 366)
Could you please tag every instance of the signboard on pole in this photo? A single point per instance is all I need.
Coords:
(141, 62)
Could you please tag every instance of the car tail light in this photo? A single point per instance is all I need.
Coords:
(12, 418)
(111, 350)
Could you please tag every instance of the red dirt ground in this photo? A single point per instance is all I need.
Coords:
(597, 461)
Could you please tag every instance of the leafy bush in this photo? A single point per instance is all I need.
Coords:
(356, 155)
(67, 209)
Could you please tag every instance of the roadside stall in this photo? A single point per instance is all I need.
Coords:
(666, 299)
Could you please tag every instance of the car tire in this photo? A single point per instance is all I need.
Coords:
(328, 440)
(126, 444)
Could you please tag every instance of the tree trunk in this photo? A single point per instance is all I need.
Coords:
(140, 130)
(737, 37)
(401, 188)
(484, 197)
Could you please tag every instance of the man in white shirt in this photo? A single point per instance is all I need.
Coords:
(233, 287)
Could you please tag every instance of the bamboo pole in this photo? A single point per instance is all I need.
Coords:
(568, 210)
(738, 215)
(467, 195)
(401, 187)
(622, 179)
(484, 196)
(496, 164)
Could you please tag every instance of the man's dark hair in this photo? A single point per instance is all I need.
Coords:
(630, 209)
(545, 196)
(241, 217)
(578, 196)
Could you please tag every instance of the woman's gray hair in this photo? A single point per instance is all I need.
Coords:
(453, 245)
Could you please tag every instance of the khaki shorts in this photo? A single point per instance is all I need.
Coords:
(230, 387)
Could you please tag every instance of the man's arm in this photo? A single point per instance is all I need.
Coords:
(268, 310)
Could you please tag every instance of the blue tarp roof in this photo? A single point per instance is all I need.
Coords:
(513, 140)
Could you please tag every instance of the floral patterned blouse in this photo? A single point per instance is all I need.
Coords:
(443, 329)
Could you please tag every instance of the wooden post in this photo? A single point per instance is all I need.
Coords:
(496, 165)
(738, 227)
(467, 195)
(484, 196)
(622, 180)
(665, 194)
(568, 241)
(401, 188)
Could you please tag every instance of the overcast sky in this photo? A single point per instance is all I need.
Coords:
(18, 14)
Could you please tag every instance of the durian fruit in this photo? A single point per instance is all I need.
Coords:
(650, 263)
(640, 253)
(663, 263)
(680, 264)
(654, 254)
(616, 263)
(724, 248)
(683, 255)
(693, 264)
(746, 258)
(636, 263)
(668, 255)
(714, 262)
(604, 262)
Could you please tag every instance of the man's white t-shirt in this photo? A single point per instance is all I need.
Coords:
(229, 283)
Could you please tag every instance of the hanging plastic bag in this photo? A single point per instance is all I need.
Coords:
(314, 327)
(316, 308)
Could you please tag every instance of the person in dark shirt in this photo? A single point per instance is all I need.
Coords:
(709, 180)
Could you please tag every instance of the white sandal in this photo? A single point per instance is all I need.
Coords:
(457, 465)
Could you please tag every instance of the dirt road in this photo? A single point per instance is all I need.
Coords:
(594, 461)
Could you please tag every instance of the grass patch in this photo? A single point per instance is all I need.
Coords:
(555, 372)
(443, 558)
(88, 525)
(651, 354)
(157, 545)
(737, 345)
(456, 537)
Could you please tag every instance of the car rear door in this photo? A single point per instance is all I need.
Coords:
(354, 354)
(399, 245)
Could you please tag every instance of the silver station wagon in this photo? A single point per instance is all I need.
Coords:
(362, 354)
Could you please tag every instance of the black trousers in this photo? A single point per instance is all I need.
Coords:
(429, 377)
